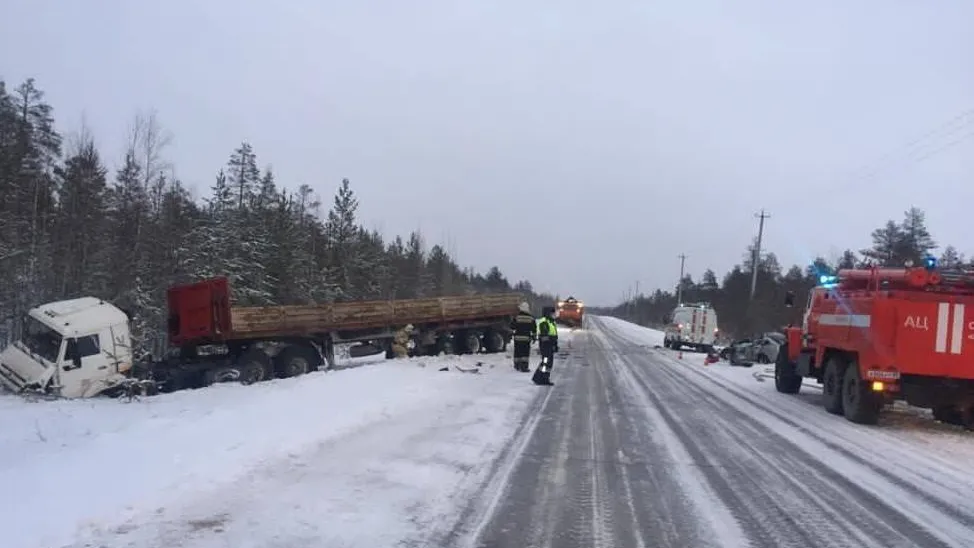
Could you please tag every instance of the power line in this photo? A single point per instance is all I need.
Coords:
(967, 114)
(918, 150)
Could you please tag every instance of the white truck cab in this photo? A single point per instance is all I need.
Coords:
(693, 325)
(75, 349)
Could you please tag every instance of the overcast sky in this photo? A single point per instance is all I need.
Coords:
(582, 145)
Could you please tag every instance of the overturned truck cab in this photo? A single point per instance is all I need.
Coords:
(75, 348)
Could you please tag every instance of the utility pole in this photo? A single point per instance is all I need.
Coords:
(679, 285)
(757, 251)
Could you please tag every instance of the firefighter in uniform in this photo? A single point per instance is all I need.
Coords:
(525, 332)
(548, 345)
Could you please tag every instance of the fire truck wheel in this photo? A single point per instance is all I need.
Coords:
(948, 414)
(786, 380)
(860, 404)
(832, 386)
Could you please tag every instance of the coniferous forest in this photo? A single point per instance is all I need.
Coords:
(893, 244)
(74, 223)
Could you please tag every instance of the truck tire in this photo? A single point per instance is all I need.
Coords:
(447, 346)
(948, 414)
(832, 383)
(472, 342)
(860, 404)
(254, 366)
(220, 374)
(786, 379)
(294, 361)
(494, 342)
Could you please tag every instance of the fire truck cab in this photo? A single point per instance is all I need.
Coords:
(875, 335)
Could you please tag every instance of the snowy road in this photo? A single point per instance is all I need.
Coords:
(633, 447)
(637, 448)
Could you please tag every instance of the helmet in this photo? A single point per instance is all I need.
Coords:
(524, 307)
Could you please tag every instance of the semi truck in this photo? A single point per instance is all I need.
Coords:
(692, 325)
(570, 312)
(82, 347)
(873, 336)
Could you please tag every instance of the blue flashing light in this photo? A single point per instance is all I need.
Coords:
(828, 281)
(930, 263)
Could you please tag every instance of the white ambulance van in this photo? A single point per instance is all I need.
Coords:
(692, 325)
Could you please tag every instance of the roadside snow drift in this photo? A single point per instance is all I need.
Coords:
(360, 457)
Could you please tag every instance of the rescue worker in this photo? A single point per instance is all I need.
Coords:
(548, 345)
(400, 341)
(525, 332)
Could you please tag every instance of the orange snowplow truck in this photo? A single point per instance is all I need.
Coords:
(570, 311)
(876, 335)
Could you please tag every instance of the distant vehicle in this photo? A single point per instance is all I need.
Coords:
(765, 349)
(737, 352)
(692, 325)
(82, 347)
(570, 312)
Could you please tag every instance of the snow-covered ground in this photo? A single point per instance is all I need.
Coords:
(365, 456)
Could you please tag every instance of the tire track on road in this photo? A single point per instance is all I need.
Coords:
(757, 460)
(947, 507)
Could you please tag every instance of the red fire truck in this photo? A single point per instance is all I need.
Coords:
(875, 335)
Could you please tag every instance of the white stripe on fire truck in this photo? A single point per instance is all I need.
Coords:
(957, 330)
(844, 320)
(943, 314)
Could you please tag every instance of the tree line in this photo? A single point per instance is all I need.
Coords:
(893, 244)
(71, 226)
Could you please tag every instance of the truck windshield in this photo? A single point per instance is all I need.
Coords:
(41, 340)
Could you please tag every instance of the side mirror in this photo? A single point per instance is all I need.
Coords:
(790, 298)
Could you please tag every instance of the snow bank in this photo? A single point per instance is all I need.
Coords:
(90, 467)
(633, 333)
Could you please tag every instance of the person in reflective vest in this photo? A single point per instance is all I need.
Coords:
(525, 332)
(548, 345)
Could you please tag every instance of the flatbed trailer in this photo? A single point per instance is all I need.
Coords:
(876, 335)
(284, 341)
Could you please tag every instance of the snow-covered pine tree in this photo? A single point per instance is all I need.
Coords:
(81, 234)
(343, 240)
(916, 241)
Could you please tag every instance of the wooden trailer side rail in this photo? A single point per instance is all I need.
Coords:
(309, 319)
(200, 313)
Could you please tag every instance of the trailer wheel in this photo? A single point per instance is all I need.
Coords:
(220, 374)
(447, 347)
(494, 342)
(254, 366)
(832, 386)
(472, 341)
(786, 379)
(293, 361)
(859, 403)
